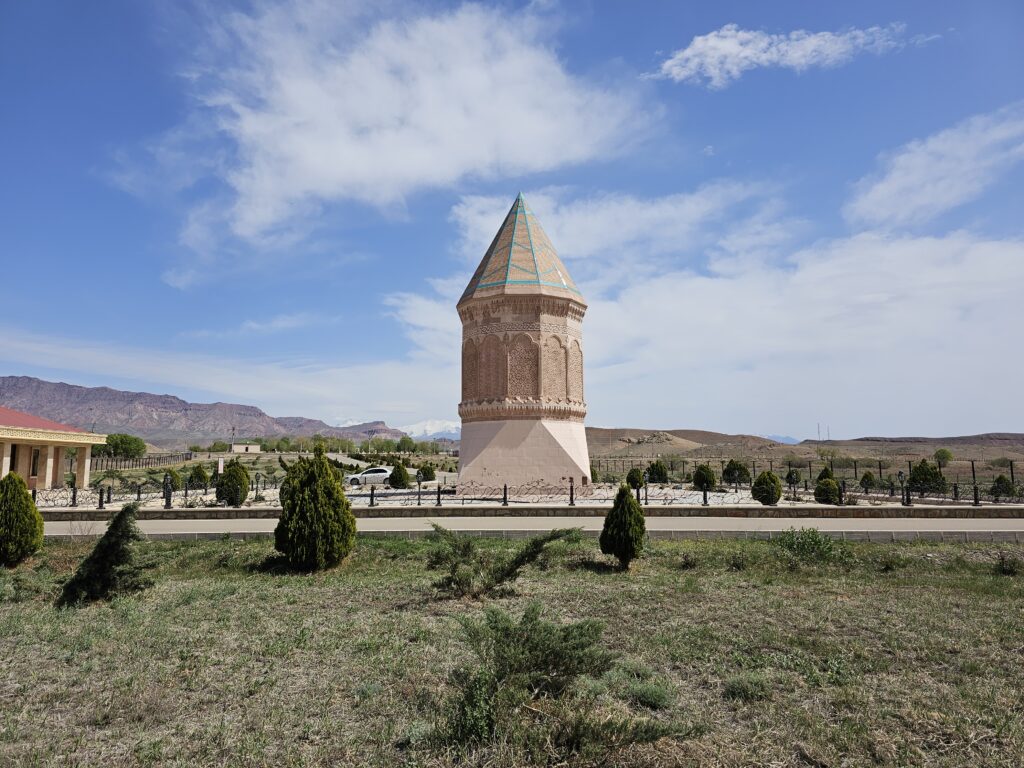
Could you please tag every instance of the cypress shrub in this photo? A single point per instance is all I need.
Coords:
(735, 473)
(624, 529)
(825, 474)
(1002, 487)
(926, 477)
(110, 569)
(767, 489)
(793, 477)
(867, 481)
(704, 478)
(176, 481)
(233, 485)
(657, 472)
(21, 525)
(635, 478)
(827, 491)
(198, 478)
(399, 477)
(427, 472)
(317, 528)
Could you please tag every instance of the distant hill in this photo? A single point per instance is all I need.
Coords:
(164, 420)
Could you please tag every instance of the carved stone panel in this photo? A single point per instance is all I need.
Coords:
(554, 369)
(493, 379)
(575, 372)
(470, 375)
(523, 365)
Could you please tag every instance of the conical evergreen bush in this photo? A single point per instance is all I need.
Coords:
(317, 528)
(399, 476)
(233, 485)
(767, 489)
(21, 525)
(624, 528)
(110, 569)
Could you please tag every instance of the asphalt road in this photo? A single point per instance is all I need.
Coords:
(1001, 529)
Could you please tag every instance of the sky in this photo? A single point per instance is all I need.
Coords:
(781, 215)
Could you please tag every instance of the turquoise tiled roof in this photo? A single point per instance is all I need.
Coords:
(521, 255)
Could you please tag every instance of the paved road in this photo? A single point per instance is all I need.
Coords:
(1002, 529)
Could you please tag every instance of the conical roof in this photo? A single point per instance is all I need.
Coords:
(520, 260)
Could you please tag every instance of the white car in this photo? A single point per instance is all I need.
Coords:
(371, 476)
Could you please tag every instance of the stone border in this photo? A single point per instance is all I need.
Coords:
(810, 512)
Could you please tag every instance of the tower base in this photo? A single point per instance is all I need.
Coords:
(518, 452)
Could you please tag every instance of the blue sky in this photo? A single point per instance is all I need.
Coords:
(780, 213)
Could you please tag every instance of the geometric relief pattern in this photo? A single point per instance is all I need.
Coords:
(493, 378)
(554, 369)
(470, 369)
(523, 365)
(575, 372)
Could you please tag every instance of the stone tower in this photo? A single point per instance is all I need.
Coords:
(522, 403)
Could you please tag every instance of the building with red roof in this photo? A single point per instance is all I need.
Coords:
(35, 448)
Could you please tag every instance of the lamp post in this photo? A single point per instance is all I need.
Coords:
(419, 487)
(646, 478)
(903, 492)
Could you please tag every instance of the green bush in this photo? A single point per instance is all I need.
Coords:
(110, 569)
(1007, 565)
(198, 478)
(735, 473)
(176, 481)
(827, 492)
(399, 477)
(942, 457)
(121, 445)
(469, 573)
(657, 472)
(809, 545)
(704, 478)
(317, 528)
(793, 477)
(21, 525)
(624, 529)
(767, 489)
(748, 686)
(635, 478)
(867, 481)
(825, 474)
(233, 484)
(1002, 488)
(926, 477)
(427, 472)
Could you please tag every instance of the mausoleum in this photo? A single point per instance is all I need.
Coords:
(36, 448)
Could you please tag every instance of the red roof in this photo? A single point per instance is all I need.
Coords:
(11, 418)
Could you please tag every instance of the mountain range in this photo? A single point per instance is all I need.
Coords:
(165, 420)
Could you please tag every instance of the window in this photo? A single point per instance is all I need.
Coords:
(14, 457)
(35, 463)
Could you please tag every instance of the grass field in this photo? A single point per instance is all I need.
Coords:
(898, 655)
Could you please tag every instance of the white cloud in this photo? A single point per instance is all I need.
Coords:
(931, 176)
(722, 56)
(322, 104)
(275, 324)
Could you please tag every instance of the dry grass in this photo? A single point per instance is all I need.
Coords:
(903, 655)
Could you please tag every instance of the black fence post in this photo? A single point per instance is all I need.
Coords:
(438, 495)
(373, 503)
(504, 495)
(956, 491)
(1013, 480)
(33, 496)
(842, 493)
(974, 476)
(705, 502)
(100, 505)
(110, 492)
(138, 492)
(572, 494)
(977, 497)
(74, 495)
(910, 497)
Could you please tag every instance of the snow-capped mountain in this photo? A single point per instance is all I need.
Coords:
(434, 429)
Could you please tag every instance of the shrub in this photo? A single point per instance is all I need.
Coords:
(198, 478)
(317, 528)
(749, 686)
(233, 485)
(704, 478)
(657, 472)
(825, 474)
(624, 529)
(110, 569)
(176, 481)
(927, 478)
(21, 525)
(827, 491)
(650, 694)
(735, 473)
(1007, 565)
(1002, 487)
(942, 457)
(122, 445)
(767, 489)
(793, 477)
(867, 481)
(635, 478)
(809, 545)
(427, 472)
(470, 573)
(399, 477)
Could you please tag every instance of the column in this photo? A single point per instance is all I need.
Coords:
(82, 461)
(44, 472)
(24, 467)
(5, 459)
(57, 478)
